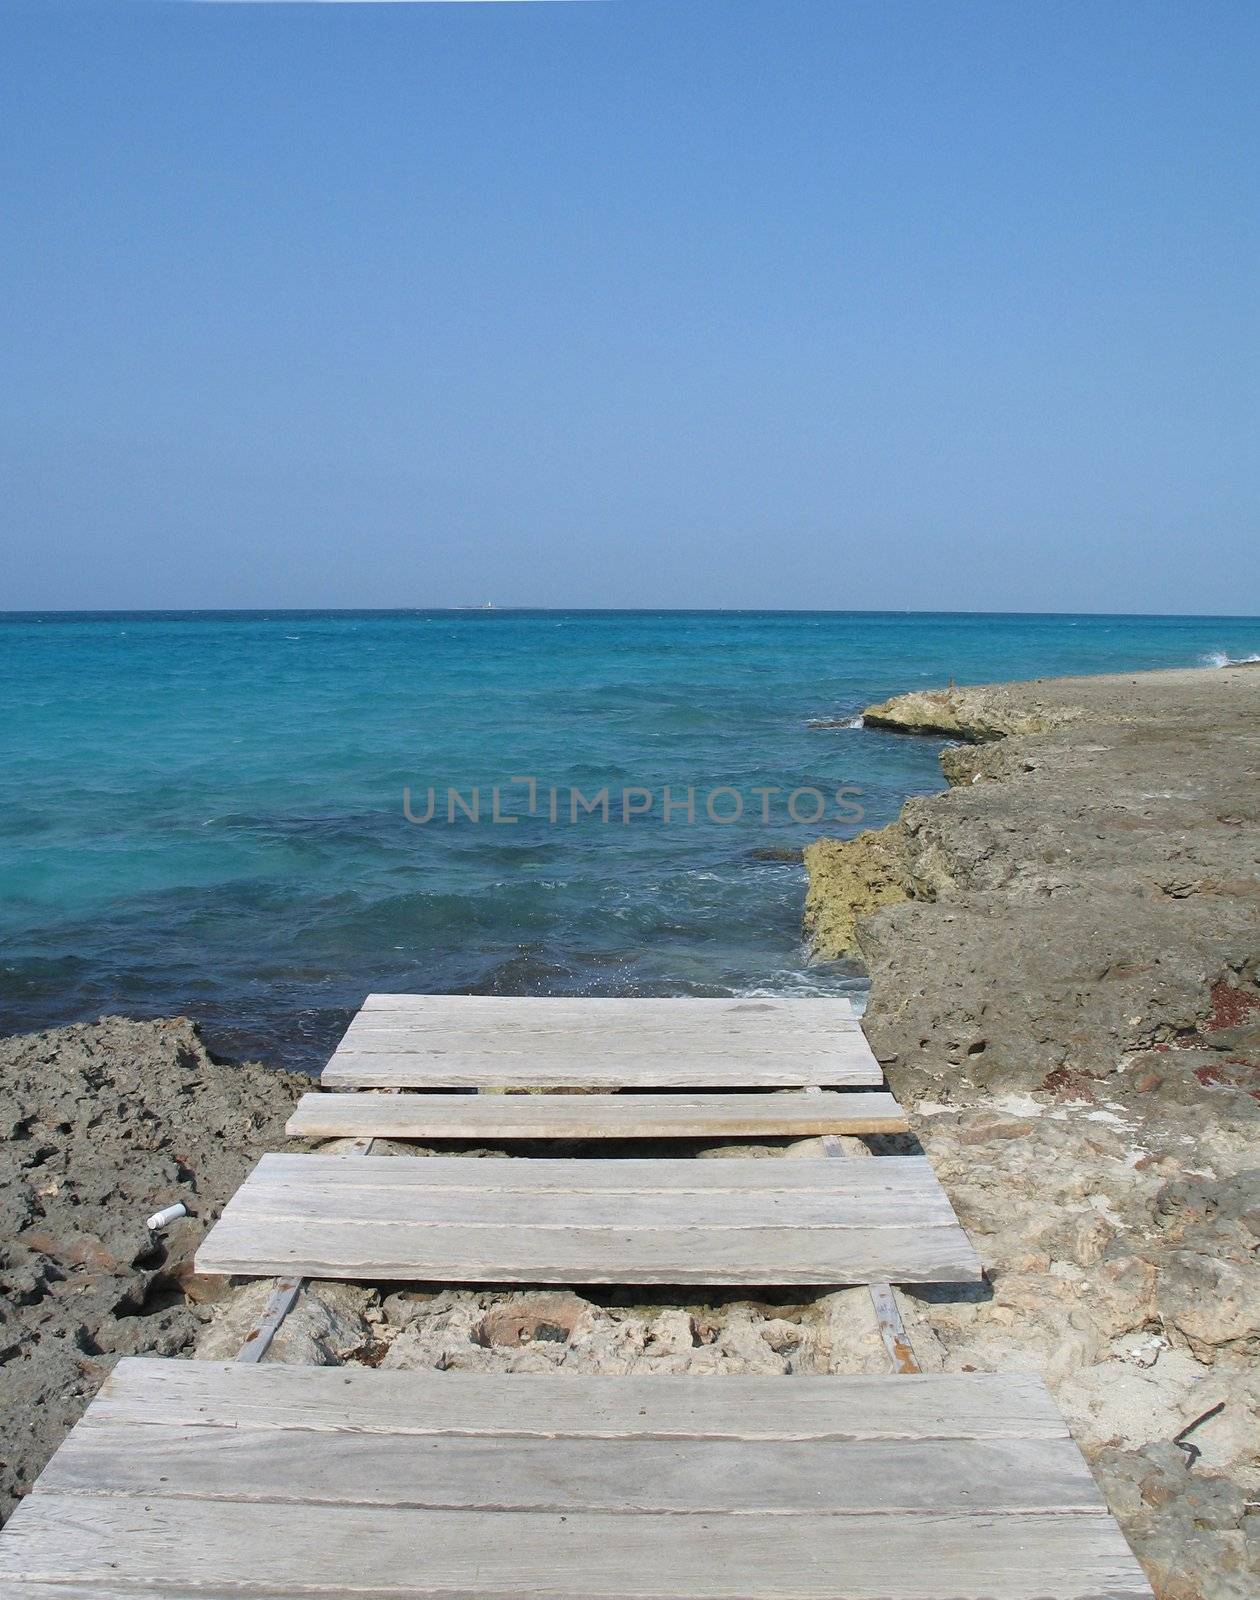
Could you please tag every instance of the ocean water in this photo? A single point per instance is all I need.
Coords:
(203, 813)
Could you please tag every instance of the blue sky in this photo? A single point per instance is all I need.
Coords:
(643, 302)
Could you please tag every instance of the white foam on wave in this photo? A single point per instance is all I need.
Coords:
(1218, 658)
(794, 984)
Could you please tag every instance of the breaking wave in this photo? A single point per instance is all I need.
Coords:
(1218, 658)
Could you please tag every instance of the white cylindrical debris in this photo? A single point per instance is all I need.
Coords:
(159, 1219)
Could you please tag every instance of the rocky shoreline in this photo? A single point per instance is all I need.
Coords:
(1063, 951)
(1063, 954)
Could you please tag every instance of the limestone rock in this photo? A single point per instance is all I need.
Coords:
(1189, 1527)
(974, 714)
(1209, 1302)
(848, 879)
(851, 1338)
(328, 1324)
(471, 1330)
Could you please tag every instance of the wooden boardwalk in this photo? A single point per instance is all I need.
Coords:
(575, 1221)
(190, 1478)
(199, 1481)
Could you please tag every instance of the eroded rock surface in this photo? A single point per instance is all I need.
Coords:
(976, 715)
(1066, 999)
(850, 878)
(103, 1124)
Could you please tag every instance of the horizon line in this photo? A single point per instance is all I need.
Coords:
(518, 610)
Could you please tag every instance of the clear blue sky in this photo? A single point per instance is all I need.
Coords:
(644, 302)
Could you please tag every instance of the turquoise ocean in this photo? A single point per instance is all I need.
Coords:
(203, 813)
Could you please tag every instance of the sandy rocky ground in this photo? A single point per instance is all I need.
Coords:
(1063, 955)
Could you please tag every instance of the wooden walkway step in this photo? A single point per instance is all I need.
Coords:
(592, 1116)
(463, 1219)
(191, 1478)
(473, 1042)
(610, 1011)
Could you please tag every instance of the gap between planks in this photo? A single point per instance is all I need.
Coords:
(892, 1330)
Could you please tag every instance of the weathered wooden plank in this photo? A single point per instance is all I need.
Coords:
(628, 1475)
(633, 1065)
(280, 1302)
(455, 1041)
(743, 1026)
(892, 1330)
(172, 1546)
(464, 1219)
(592, 1198)
(894, 1176)
(943, 1406)
(611, 1116)
(371, 1252)
(103, 1589)
(727, 1037)
(460, 1219)
(565, 1211)
(581, 1010)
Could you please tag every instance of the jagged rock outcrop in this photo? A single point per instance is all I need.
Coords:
(850, 878)
(1075, 894)
(975, 715)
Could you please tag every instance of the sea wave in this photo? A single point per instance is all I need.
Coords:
(793, 983)
(1218, 658)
